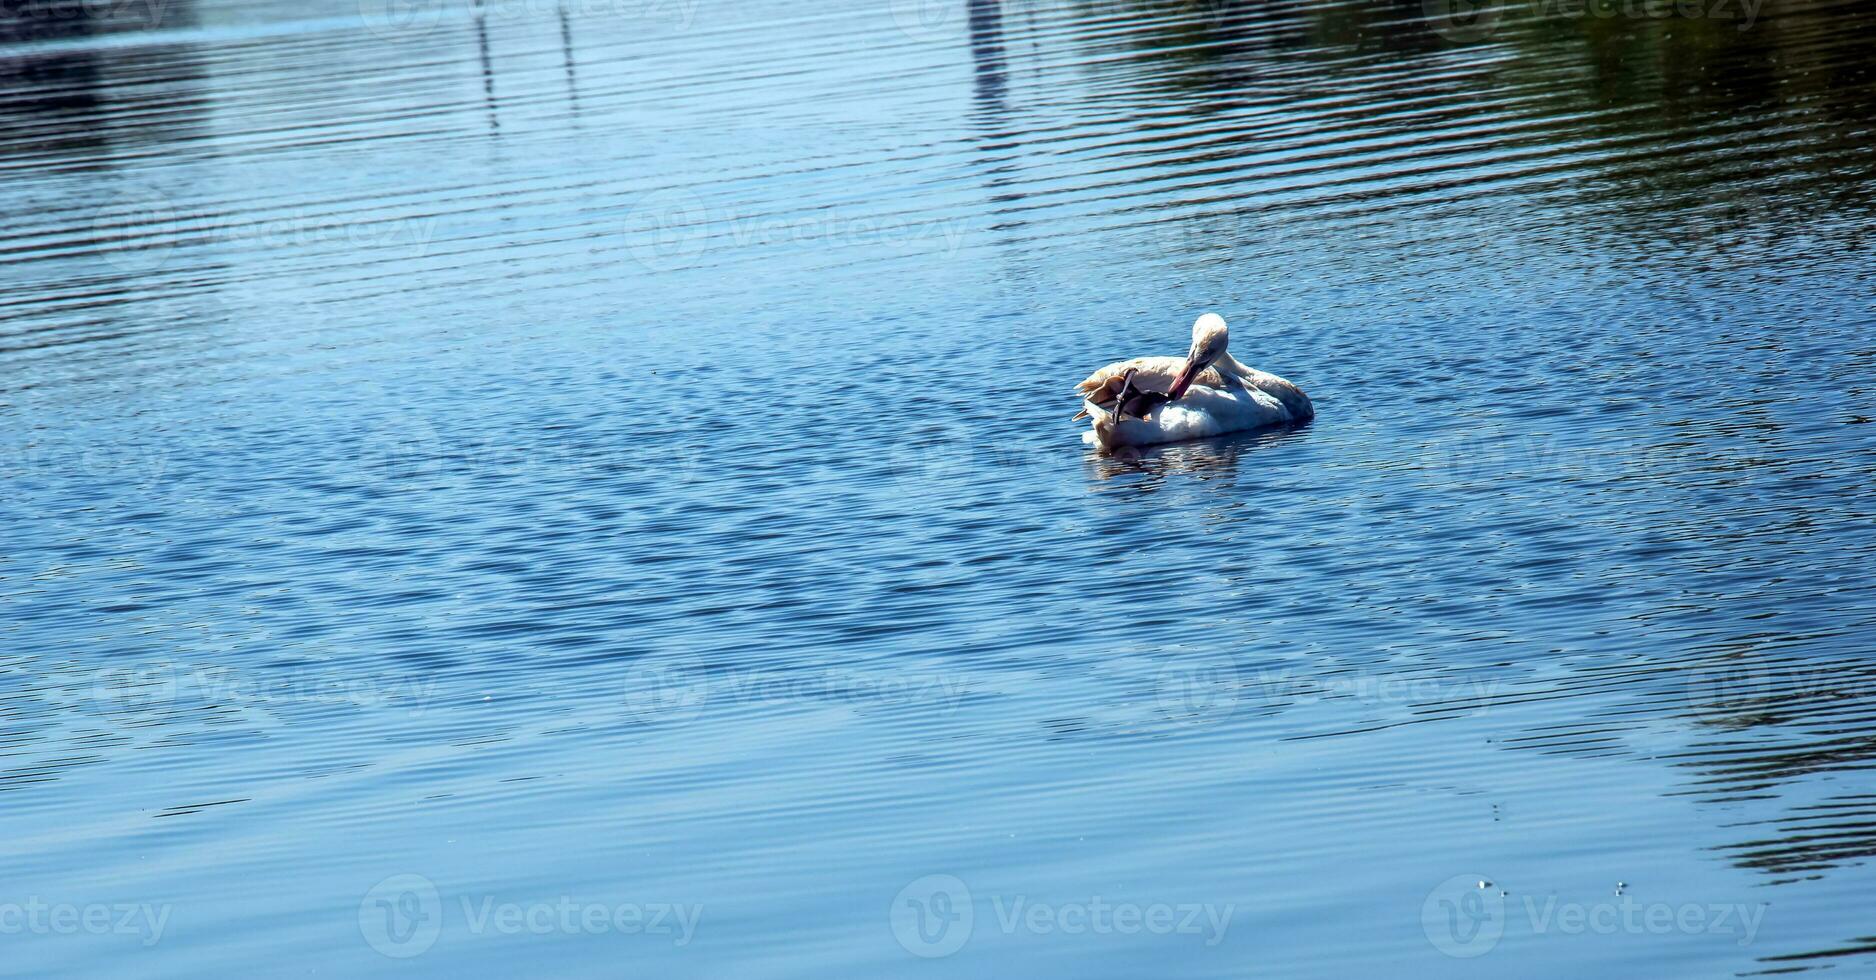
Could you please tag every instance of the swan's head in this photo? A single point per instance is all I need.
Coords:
(1208, 345)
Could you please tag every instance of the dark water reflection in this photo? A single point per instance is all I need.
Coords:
(617, 455)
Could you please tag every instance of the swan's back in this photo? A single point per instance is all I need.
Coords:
(1155, 373)
(1214, 405)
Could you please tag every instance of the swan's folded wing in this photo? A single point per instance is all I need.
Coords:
(1153, 373)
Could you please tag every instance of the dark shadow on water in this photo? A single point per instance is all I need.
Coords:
(487, 60)
(567, 59)
(986, 25)
(53, 103)
(1591, 72)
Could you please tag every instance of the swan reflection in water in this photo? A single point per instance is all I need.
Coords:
(1205, 459)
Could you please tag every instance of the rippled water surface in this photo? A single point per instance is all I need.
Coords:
(526, 488)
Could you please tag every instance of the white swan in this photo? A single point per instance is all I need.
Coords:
(1208, 393)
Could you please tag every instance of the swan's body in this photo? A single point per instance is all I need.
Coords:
(1212, 393)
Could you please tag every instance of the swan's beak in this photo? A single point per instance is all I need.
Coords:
(1186, 375)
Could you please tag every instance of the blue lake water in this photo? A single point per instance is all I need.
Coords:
(589, 488)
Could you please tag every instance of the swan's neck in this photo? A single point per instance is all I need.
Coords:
(1232, 370)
